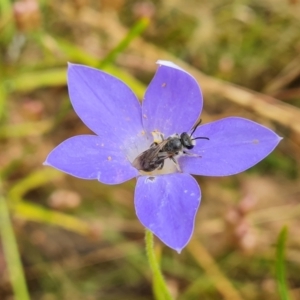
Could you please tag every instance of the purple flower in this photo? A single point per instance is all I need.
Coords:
(166, 201)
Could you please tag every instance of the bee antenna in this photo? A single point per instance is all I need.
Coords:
(201, 138)
(196, 126)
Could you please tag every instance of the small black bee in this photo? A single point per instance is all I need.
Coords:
(154, 158)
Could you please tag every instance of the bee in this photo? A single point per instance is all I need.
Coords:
(154, 158)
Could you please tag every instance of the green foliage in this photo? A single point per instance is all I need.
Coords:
(10, 248)
(280, 265)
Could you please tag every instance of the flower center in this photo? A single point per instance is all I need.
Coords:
(168, 168)
(160, 157)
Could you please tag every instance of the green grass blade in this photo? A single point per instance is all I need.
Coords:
(74, 53)
(29, 81)
(7, 24)
(36, 128)
(71, 51)
(134, 31)
(14, 265)
(32, 181)
(2, 100)
(37, 213)
(280, 267)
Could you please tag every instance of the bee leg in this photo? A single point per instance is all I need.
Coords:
(176, 164)
(161, 165)
(156, 143)
(157, 137)
(191, 154)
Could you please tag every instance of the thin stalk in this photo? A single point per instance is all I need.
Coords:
(160, 289)
(10, 248)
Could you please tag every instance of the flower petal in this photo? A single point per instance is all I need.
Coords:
(88, 157)
(234, 145)
(167, 205)
(173, 101)
(104, 103)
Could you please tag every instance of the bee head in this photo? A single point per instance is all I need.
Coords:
(186, 141)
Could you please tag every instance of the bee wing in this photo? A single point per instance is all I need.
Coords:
(149, 155)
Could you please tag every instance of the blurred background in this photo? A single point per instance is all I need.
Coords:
(80, 239)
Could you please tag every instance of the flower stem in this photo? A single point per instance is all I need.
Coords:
(160, 289)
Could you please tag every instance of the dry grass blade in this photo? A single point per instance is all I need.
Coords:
(286, 76)
(206, 261)
(264, 105)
